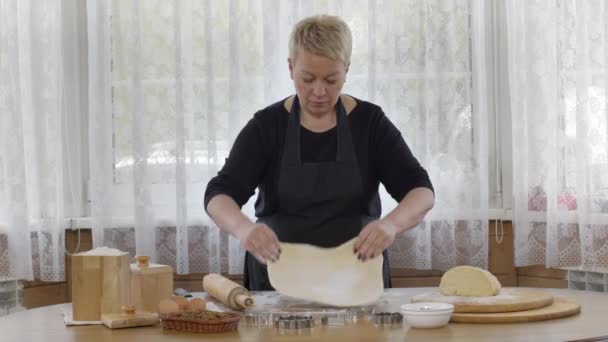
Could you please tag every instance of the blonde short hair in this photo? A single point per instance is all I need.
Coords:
(323, 35)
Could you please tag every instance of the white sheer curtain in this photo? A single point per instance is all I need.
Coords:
(172, 83)
(37, 111)
(558, 74)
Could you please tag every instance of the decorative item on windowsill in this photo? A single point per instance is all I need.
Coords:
(11, 296)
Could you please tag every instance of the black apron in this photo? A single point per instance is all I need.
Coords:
(316, 200)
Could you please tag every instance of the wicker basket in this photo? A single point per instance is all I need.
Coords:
(209, 322)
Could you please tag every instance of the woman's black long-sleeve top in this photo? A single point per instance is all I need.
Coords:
(254, 160)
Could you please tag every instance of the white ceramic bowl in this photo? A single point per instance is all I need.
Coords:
(427, 315)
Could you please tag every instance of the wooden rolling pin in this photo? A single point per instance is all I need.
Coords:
(227, 291)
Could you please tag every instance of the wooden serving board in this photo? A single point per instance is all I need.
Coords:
(139, 319)
(509, 300)
(560, 308)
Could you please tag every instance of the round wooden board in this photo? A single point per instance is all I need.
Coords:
(509, 300)
(560, 308)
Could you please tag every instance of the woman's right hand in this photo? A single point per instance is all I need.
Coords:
(261, 242)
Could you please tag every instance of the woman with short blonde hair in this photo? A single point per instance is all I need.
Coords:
(322, 35)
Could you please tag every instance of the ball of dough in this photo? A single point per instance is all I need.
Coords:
(469, 281)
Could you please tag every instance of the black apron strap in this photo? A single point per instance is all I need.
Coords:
(293, 151)
(386, 271)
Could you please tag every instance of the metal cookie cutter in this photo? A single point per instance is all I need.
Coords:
(294, 322)
(388, 319)
(258, 319)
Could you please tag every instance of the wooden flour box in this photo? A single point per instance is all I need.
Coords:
(150, 283)
(100, 283)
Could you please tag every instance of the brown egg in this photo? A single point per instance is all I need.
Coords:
(183, 303)
(198, 304)
(167, 306)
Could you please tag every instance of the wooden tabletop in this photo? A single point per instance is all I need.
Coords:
(46, 324)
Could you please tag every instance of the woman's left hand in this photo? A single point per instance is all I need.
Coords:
(374, 239)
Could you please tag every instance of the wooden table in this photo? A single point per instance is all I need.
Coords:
(46, 324)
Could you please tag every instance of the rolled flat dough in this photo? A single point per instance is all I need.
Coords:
(331, 276)
(469, 281)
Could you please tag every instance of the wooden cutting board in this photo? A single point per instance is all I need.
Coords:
(561, 307)
(509, 300)
(138, 319)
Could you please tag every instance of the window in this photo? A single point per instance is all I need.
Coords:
(415, 61)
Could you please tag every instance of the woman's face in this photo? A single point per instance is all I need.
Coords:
(318, 81)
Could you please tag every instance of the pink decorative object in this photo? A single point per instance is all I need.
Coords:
(537, 199)
(567, 200)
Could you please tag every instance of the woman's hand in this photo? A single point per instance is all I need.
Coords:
(374, 239)
(261, 242)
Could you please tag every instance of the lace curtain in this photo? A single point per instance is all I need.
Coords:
(170, 84)
(558, 76)
(174, 82)
(38, 120)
